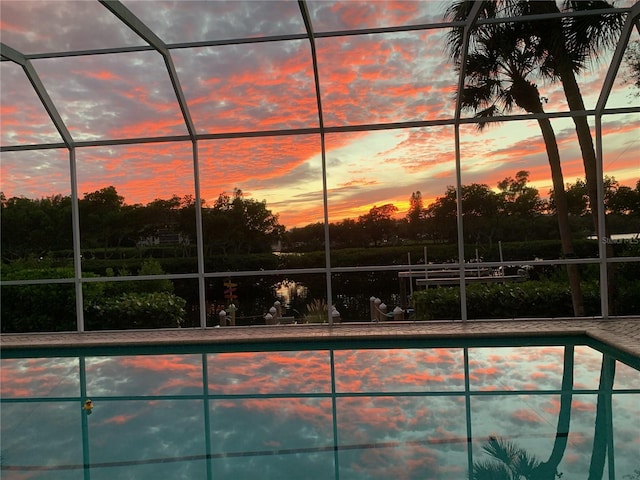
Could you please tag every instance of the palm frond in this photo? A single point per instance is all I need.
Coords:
(525, 464)
(510, 462)
(489, 471)
(459, 11)
(587, 35)
(502, 450)
(490, 112)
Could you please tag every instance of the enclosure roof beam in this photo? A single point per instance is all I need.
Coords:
(134, 23)
(17, 57)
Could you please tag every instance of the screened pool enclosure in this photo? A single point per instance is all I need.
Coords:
(194, 154)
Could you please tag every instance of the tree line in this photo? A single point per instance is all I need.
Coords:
(233, 224)
(513, 211)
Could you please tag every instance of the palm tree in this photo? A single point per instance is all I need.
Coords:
(513, 463)
(602, 428)
(548, 470)
(565, 47)
(497, 79)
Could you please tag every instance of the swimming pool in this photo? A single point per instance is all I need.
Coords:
(322, 410)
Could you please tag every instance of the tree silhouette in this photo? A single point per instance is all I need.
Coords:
(632, 74)
(566, 47)
(497, 71)
(378, 223)
(415, 215)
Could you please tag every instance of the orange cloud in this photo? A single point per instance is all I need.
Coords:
(101, 75)
(312, 412)
(159, 363)
(578, 439)
(364, 79)
(526, 416)
(277, 372)
(486, 371)
(580, 406)
(118, 419)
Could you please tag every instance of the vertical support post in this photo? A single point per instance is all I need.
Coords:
(467, 409)
(459, 224)
(207, 416)
(316, 80)
(202, 300)
(327, 240)
(410, 274)
(426, 271)
(86, 457)
(602, 235)
(631, 23)
(334, 412)
(471, 20)
(77, 249)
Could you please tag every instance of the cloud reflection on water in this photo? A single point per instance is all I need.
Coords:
(399, 413)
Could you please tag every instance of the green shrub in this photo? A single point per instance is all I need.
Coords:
(38, 307)
(235, 262)
(169, 265)
(508, 300)
(627, 298)
(113, 289)
(135, 310)
(108, 305)
(437, 304)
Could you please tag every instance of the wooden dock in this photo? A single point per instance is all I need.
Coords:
(426, 278)
(470, 279)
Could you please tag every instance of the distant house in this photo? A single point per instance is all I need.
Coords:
(164, 236)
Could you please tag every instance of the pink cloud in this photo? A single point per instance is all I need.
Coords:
(364, 79)
(102, 75)
(118, 419)
(491, 371)
(161, 363)
(580, 406)
(526, 416)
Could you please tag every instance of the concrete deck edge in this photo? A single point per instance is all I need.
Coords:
(619, 333)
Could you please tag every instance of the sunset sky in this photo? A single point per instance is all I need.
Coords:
(364, 79)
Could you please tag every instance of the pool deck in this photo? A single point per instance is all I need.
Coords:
(621, 333)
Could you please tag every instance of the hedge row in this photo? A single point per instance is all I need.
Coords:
(107, 305)
(520, 300)
(136, 310)
(389, 255)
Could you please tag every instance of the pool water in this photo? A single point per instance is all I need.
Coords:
(344, 411)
